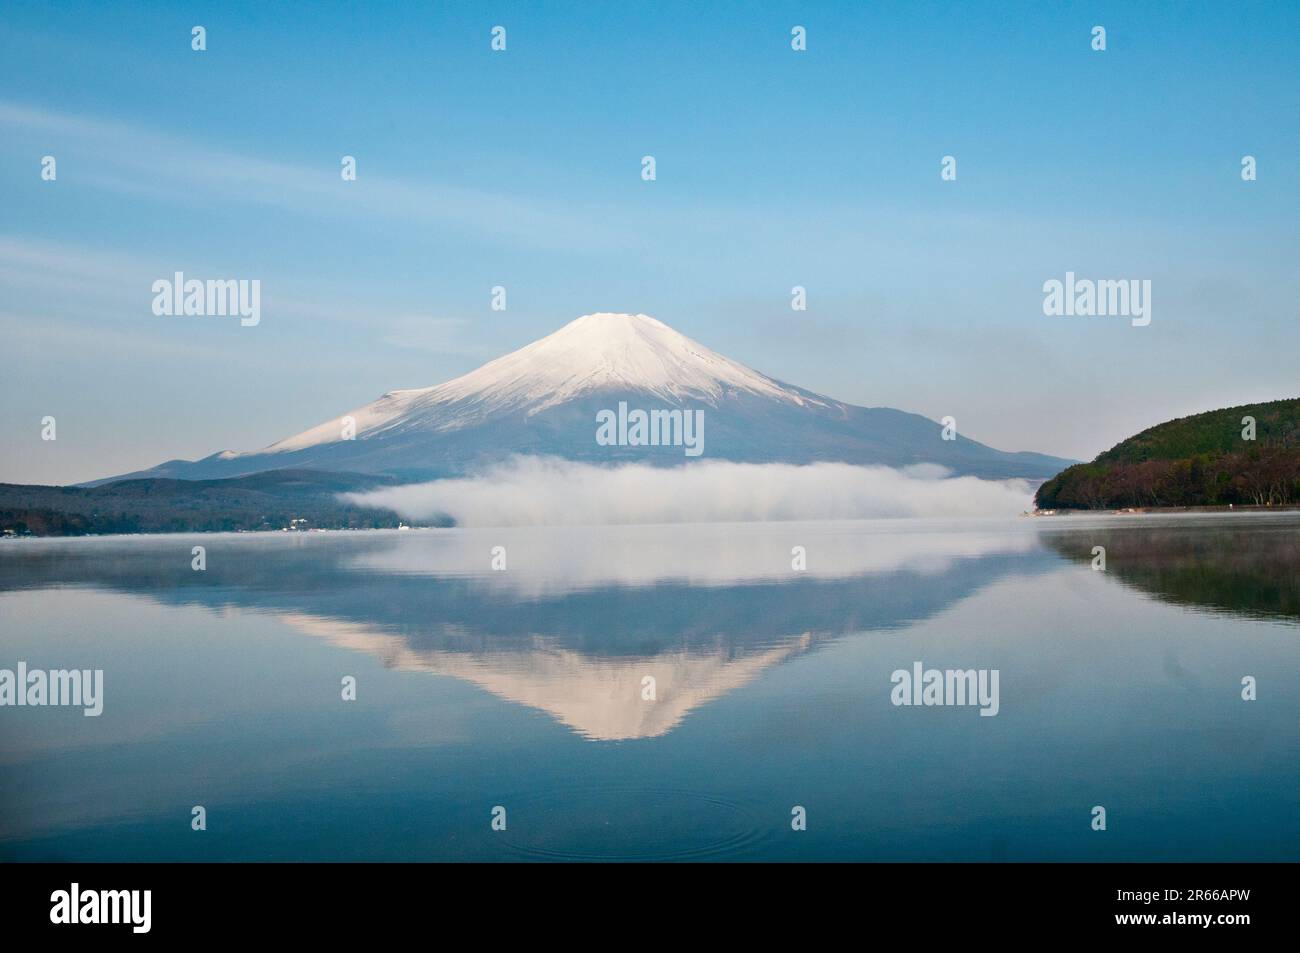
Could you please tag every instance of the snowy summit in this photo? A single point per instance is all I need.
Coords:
(543, 399)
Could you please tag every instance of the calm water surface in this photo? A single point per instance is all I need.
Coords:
(523, 688)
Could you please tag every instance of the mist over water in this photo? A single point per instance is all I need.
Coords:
(535, 491)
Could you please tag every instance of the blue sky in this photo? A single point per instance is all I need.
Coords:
(522, 169)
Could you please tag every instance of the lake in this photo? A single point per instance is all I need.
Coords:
(662, 692)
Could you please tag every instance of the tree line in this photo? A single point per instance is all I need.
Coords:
(1267, 474)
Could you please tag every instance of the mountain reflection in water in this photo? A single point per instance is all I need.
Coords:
(771, 687)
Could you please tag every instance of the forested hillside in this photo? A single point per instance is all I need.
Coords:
(1202, 460)
(279, 499)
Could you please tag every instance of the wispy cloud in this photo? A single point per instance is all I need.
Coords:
(532, 491)
(435, 335)
(69, 288)
(164, 167)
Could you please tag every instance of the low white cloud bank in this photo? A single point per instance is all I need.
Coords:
(537, 491)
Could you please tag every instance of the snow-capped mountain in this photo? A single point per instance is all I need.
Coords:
(597, 353)
(544, 399)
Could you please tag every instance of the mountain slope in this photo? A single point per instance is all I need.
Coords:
(543, 399)
(1201, 460)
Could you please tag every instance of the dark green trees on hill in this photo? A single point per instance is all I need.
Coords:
(278, 499)
(1205, 460)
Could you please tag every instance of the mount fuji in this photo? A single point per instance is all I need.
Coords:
(543, 400)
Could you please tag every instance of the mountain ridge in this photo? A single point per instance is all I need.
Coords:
(542, 399)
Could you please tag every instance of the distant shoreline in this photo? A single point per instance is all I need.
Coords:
(1142, 510)
(319, 530)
